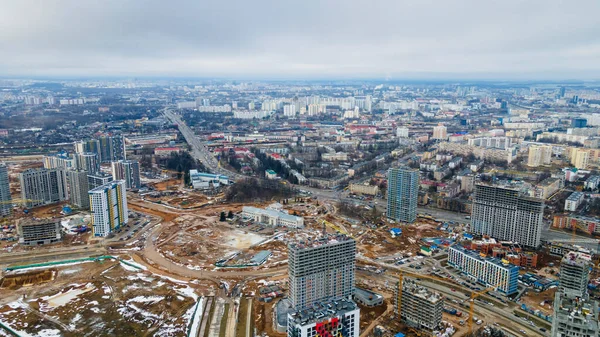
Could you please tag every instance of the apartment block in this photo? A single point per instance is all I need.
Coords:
(98, 179)
(43, 186)
(490, 272)
(108, 204)
(338, 318)
(574, 317)
(402, 194)
(573, 201)
(78, 188)
(5, 206)
(60, 161)
(87, 161)
(321, 269)
(129, 171)
(506, 213)
(420, 307)
(539, 155)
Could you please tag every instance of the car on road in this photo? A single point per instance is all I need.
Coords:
(523, 331)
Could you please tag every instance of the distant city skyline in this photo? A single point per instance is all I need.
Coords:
(510, 40)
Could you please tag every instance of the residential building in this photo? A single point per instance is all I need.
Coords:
(573, 201)
(339, 318)
(491, 272)
(98, 179)
(502, 143)
(108, 204)
(87, 161)
(364, 189)
(92, 145)
(165, 151)
(34, 231)
(270, 174)
(129, 171)
(402, 194)
(78, 188)
(575, 274)
(546, 188)
(592, 182)
(440, 132)
(43, 186)
(580, 158)
(5, 206)
(59, 160)
(506, 213)
(272, 217)
(289, 110)
(420, 308)
(539, 155)
(589, 225)
(321, 269)
(112, 148)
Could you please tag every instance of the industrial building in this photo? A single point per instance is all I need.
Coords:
(38, 231)
(402, 194)
(204, 181)
(420, 307)
(272, 217)
(78, 188)
(43, 186)
(127, 170)
(506, 213)
(5, 206)
(490, 272)
(108, 204)
(321, 269)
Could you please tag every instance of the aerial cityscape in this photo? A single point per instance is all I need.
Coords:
(156, 181)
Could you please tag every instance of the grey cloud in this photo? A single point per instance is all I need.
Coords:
(309, 38)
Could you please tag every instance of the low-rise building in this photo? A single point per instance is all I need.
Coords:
(592, 182)
(589, 225)
(573, 201)
(270, 174)
(272, 217)
(206, 181)
(364, 189)
(39, 232)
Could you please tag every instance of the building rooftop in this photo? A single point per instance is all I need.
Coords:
(36, 221)
(476, 255)
(577, 259)
(421, 292)
(271, 212)
(325, 240)
(322, 310)
(580, 310)
(575, 196)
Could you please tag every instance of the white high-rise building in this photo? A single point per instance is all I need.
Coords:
(59, 160)
(402, 132)
(402, 194)
(5, 206)
(580, 158)
(127, 170)
(108, 204)
(289, 110)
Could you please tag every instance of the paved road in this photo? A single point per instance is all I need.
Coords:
(560, 236)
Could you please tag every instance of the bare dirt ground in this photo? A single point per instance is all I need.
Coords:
(540, 301)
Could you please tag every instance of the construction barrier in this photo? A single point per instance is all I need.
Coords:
(57, 263)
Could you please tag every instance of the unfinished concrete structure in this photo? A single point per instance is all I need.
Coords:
(575, 314)
(575, 274)
(39, 232)
(321, 269)
(420, 307)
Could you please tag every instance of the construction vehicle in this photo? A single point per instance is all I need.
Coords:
(335, 227)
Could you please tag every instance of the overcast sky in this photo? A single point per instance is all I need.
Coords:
(397, 39)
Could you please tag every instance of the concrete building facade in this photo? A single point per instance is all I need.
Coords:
(87, 161)
(420, 307)
(43, 186)
(98, 179)
(272, 217)
(39, 232)
(506, 214)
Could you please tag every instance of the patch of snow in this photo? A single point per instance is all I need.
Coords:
(197, 317)
(144, 299)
